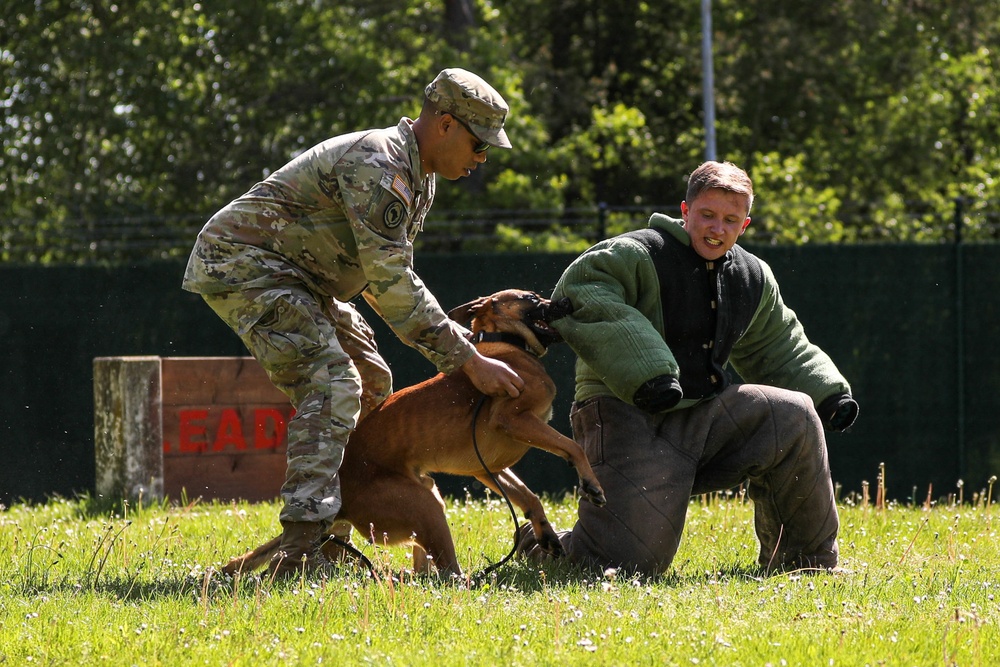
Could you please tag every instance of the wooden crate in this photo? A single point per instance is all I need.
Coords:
(174, 427)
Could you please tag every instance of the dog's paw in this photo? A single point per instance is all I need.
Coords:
(550, 544)
(543, 545)
(593, 493)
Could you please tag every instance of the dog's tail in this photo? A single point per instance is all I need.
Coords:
(252, 560)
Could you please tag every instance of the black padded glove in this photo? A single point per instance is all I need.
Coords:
(838, 412)
(661, 393)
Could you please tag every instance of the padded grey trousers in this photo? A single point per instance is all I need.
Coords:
(650, 466)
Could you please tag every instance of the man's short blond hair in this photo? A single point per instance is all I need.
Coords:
(722, 176)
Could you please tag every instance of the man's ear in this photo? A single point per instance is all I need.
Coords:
(445, 123)
(746, 223)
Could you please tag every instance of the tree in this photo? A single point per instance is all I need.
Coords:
(889, 106)
(859, 121)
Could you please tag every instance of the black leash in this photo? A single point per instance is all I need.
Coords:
(351, 549)
(513, 513)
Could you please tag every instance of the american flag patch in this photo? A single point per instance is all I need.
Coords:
(395, 183)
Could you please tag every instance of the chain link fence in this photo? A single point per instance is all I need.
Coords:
(131, 239)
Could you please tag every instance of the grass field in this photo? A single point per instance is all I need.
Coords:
(82, 585)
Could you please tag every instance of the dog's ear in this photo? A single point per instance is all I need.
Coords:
(465, 313)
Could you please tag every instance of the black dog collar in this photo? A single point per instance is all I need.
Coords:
(501, 337)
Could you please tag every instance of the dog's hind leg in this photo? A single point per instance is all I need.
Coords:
(525, 499)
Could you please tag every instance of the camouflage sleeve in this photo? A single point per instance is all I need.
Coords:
(379, 215)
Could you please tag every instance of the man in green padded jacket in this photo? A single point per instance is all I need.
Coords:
(281, 263)
(657, 315)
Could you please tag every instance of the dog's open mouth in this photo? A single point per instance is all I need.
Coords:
(545, 332)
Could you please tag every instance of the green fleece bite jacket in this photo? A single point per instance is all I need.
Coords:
(622, 321)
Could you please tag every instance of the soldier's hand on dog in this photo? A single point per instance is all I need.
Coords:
(493, 377)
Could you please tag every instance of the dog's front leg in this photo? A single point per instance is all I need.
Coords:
(527, 428)
(525, 499)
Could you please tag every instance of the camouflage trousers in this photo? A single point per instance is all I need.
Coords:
(769, 438)
(322, 355)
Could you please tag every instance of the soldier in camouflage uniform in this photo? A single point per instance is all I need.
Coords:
(281, 264)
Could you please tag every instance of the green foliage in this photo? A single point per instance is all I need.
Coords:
(140, 585)
(612, 152)
(557, 238)
(883, 104)
(788, 209)
(140, 120)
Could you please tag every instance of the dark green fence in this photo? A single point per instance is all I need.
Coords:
(896, 319)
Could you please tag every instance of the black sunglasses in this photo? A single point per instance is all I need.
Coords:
(482, 146)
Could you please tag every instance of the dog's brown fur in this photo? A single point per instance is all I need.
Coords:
(387, 492)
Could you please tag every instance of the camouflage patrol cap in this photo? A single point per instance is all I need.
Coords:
(465, 95)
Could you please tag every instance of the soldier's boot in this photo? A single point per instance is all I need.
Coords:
(299, 550)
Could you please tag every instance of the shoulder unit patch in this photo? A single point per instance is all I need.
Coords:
(394, 214)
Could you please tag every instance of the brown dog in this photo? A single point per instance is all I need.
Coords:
(387, 492)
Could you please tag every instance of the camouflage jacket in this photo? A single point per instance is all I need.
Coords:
(341, 219)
